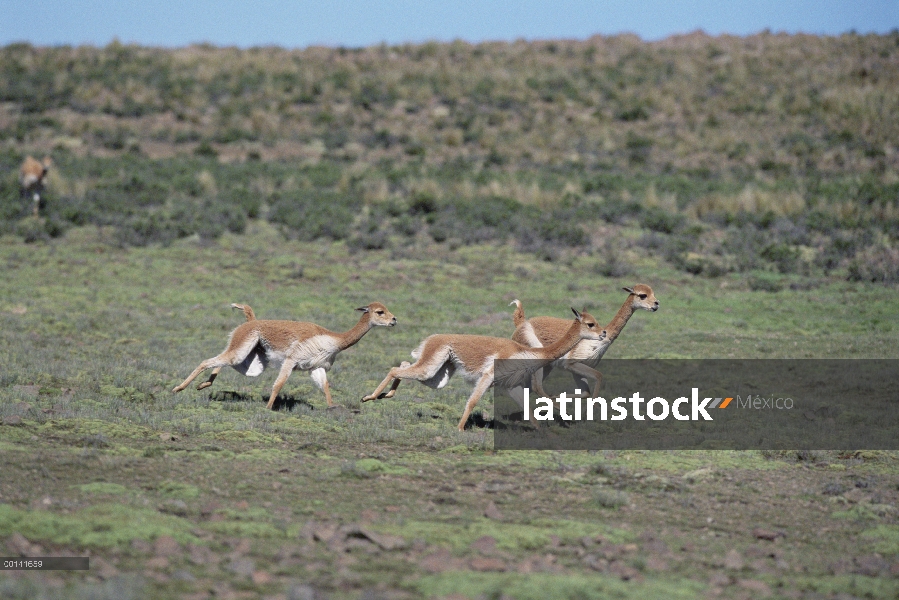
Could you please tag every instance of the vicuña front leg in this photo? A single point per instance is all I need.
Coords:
(286, 370)
(583, 375)
(320, 377)
(537, 381)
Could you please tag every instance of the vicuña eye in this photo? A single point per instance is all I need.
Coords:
(642, 296)
(591, 324)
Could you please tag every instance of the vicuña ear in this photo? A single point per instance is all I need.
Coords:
(577, 315)
(363, 309)
(628, 290)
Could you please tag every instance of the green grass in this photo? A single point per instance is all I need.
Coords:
(96, 336)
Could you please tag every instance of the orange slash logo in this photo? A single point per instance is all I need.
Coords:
(719, 404)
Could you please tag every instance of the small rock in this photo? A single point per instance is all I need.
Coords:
(485, 544)
(183, 575)
(440, 562)
(483, 563)
(29, 391)
(698, 474)
(174, 507)
(157, 562)
(102, 568)
(200, 555)
(241, 547)
(755, 551)
(541, 564)
(19, 545)
(755, 586)
(596, 563)
(492, 512)
(166, 545)
(209, 508)
(301, 591)
(870, 566)
(733, 560)
(242, 566)
(324, 532)
(765, 534)
(12, 420)
(261, 577)
(656, 547)
(168, 437)
(623, 571)
(385, 541)
(368, 516)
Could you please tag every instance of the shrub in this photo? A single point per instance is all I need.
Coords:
(206, 150)
(611, 261)
(658, 219)
(313, 214)
(784, 256)
(839, 248)
(876, 265)
(765, 283)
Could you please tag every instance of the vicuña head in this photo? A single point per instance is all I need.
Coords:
(642, 297)
(295, 344)
(439, 356)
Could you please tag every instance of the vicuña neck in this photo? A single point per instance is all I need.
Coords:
(355, 334)
(619, 321)
(565, 343)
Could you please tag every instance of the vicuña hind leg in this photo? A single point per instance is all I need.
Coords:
(216, 362)
(393, 374)
(233, 355)
(396, 383)
(212, 376)
(420, 371)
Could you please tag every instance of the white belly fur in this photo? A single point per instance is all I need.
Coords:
(318, 352)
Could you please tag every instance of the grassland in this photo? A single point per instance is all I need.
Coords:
(752, 182)
(767, 152)
(207, 493)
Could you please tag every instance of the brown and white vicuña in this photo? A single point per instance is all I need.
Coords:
(439, 356)
(294, 344)
(582, 360)
(31, 179)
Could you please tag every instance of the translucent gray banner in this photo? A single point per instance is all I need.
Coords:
(700, 404)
